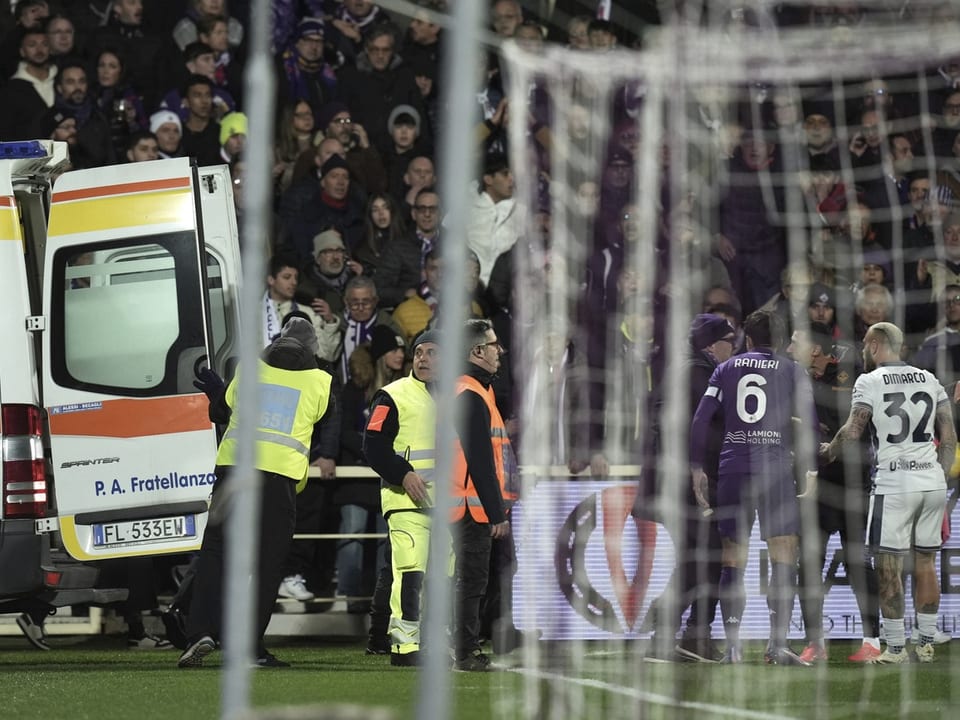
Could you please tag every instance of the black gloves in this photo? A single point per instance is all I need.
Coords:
(209, 383)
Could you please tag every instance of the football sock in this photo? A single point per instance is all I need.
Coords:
(927, 626)
(732, 602)
(780, 594)
(896, 635)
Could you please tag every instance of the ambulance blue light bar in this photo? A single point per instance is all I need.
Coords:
(23, 149)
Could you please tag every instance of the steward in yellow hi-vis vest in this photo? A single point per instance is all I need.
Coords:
(480, 469)
(399, 442)
(294, 395)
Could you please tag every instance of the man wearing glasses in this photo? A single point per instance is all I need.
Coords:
(400, 274)
(361, 316)
(482, 466)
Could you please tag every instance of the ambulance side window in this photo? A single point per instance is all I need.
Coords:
(130, 317)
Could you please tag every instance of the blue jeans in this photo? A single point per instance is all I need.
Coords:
(351, 578)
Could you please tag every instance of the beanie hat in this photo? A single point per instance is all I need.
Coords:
(310, 26)
(427, 336)
(162, 117)
(327, 240)
(820, 293)
(333, 162)
(234, 123)
(383, 340)
(406, 113)
(302, 331)
(52, 119)
(329, 111)
(707, 329)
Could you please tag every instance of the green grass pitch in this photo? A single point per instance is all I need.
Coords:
(98, 679)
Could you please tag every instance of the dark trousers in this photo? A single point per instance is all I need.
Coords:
(471, 542)
(277, 497)
(850, 520)
(497, 602)
(695, 579)
(314, 560)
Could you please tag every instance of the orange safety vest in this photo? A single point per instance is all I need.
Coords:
(464, 492)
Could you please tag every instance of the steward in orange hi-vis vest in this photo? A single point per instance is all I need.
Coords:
(464, 490)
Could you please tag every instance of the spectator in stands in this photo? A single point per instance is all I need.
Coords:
(791, 300)
(185, 31)
(30, 90)
(198, 59)
(304, 73)
(404, 124)
(940, 351)
(818, 130)
(362, 315)
(400, 271)
(280, 300)
(602, 34)
(420, 175)
(233, 136)
(577, 36)
(748, 242)
(354, 20)
(139, 49)
(383, 228)
(201, 133)
(937, 272)
(119, 103)
(228, 68)
(62, 36)
(168, 129)
(27, 15)
(366, 167)
(506, 16)
(294, 137)
(94, 146)
(309, 207)
(423, 43)
(322, 282)
(372, 365)
(141, 146)
(496, 221)
(873, 304)
(379, 82)
(948, 124)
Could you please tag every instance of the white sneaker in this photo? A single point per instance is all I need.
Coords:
(295, 587)
(925, 653)
(33, 632)
(891, 658)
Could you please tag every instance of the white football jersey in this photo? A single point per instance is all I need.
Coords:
(904, 401)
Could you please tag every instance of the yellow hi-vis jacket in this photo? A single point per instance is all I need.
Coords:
(463, 490)
(291, 402)
(416, 440)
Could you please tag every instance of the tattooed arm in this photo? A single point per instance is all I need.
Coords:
(943, 422)
(851, 431)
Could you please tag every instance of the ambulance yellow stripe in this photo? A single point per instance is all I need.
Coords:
(121, 211)
(9, 223)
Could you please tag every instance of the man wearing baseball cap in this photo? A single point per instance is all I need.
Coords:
(697, 574)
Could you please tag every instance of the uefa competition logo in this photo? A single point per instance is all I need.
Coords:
(597, 590)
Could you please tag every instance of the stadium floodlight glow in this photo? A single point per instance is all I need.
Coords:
(22, 149)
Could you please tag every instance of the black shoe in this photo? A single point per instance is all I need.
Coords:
(378, 647)
(176, 625)
(406, 660)
(269, 660)
(475, 662)
(193, 656)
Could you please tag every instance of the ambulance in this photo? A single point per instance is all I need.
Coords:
(117, 285)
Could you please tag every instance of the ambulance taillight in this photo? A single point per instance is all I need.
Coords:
(24, 471)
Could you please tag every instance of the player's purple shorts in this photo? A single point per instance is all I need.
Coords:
(773, 495)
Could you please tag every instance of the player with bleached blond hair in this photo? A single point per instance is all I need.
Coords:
(907, 409)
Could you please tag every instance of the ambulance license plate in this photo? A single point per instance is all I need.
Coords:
(143, 531)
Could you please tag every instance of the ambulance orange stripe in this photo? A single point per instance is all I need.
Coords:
(126, 418)
(122, 189)
(6, 201)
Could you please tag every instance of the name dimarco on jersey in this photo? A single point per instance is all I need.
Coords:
(900, 378)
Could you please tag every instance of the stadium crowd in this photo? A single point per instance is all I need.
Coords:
(358, 231)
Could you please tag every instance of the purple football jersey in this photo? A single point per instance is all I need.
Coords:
(758, 393)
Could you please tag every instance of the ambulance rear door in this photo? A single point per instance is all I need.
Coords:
(127, 326)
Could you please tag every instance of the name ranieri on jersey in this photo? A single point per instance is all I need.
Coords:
(152, 484)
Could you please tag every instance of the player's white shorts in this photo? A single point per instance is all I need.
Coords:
(901, 522)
